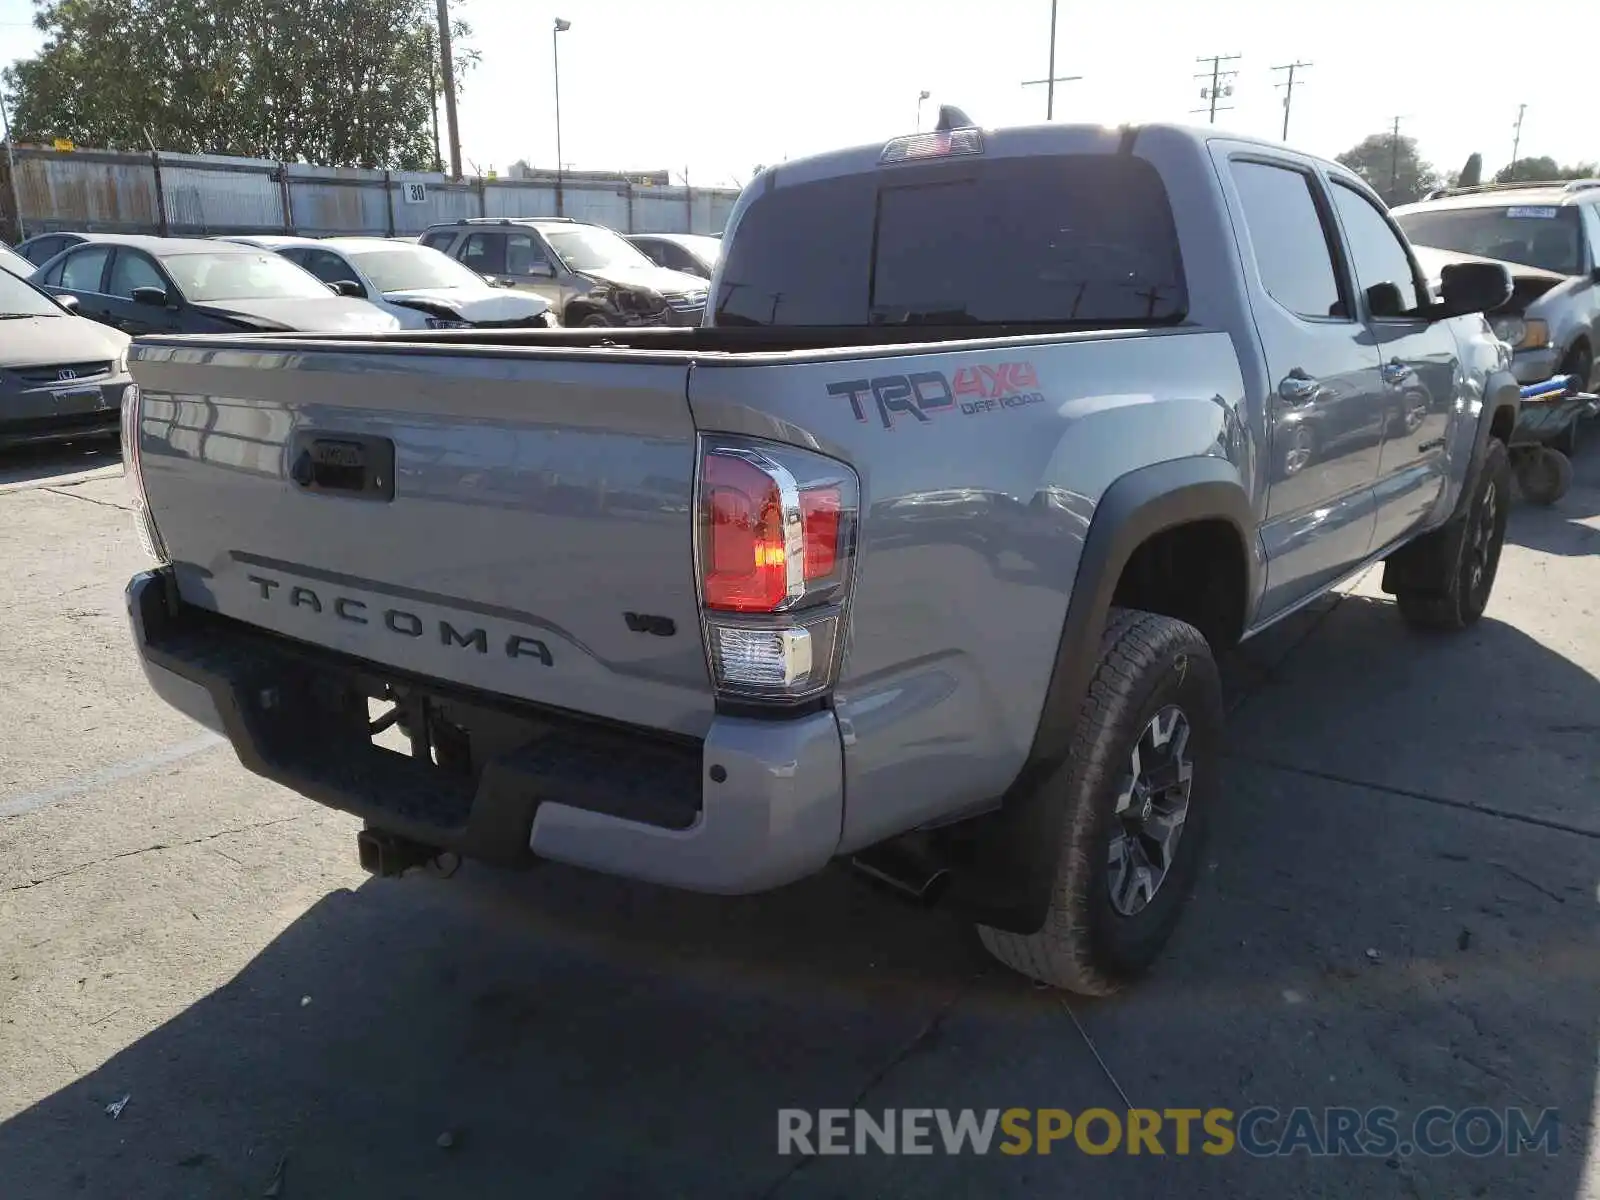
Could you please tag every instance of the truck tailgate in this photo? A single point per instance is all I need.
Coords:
(513, 520)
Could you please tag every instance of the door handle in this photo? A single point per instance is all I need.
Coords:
(1298, 387)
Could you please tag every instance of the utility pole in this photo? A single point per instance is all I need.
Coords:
(1051, 78)
(1394, 164)
(1220, 86)
(447, 71)
(1516, 140)
(1288, 90)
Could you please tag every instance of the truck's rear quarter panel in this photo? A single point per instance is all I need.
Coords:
(537, 500)
(977, 492)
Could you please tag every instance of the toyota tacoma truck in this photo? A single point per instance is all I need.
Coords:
(918, 554)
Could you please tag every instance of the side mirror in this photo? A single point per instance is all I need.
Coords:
(1474, 287)
(1385, 300)
(70, 303)
(1595, 274)
(542, 269)
(349, 287)
(153, 296)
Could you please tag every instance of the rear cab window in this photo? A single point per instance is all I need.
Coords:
(1547, 236)
(439, 240)
(1081, 239)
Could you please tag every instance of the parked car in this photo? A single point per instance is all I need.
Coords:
(61, 377)
(14, 263)
(1550, 234)
(591, 275)
(182, 285)
(419, 287)
(919, 554)
(42, 247)
(691, 253)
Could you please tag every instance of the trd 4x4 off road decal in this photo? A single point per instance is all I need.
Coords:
(923, 394)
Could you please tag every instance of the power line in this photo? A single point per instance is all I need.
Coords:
(1288, 93)
(1220, 87)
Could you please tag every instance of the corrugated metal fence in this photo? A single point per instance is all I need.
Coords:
(107, 191)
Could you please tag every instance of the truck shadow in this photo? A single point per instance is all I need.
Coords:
(580, 1036)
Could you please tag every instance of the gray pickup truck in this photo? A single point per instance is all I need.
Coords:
(917, 555)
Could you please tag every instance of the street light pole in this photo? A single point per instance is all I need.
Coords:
(560, 27)
(921, 96)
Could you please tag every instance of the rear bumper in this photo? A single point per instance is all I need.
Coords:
(754, 805)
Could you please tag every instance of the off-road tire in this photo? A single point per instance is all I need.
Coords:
(1146, 662)
(1449, 601)
(595, 321)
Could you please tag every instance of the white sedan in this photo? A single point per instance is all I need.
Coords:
(422, 288)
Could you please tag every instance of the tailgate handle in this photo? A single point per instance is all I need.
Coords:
(343, 464)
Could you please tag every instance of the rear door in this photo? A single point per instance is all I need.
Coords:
(1417, 365)
(489, 517)
(1325, 406)
(82, 274)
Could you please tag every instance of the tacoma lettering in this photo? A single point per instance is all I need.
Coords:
(399, 621)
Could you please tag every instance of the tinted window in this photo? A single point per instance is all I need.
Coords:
(1376, 253)
(485, 253)
(1530, 235)
(41, 250)
(655, 251)
(328, 267)
(1290, 243)
(1082, 238)
(132, 270)
(439, 240)
(83, 269)
(522, 252)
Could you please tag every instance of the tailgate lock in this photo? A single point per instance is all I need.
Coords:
(343, 464)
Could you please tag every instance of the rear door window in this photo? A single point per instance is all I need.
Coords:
(84, 269)
(1289, 239)
(485, 253)
(1069, 239)
(439, 240)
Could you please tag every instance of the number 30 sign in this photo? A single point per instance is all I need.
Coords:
(416, 193)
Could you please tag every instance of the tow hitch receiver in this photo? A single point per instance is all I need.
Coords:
(389, 854)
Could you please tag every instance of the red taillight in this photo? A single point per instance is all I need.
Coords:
(746, 568)
(819, 514)
(774, 536)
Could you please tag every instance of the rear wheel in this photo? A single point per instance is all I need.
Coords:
(1467, 553)
(1138, 783)
(595, 321)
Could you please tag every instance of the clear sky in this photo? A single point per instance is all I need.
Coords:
(717, 86)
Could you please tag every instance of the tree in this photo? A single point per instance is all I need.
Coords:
(339, 82)
(1395, 171)
(1530, 170)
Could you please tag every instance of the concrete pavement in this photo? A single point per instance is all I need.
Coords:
(178, 932)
